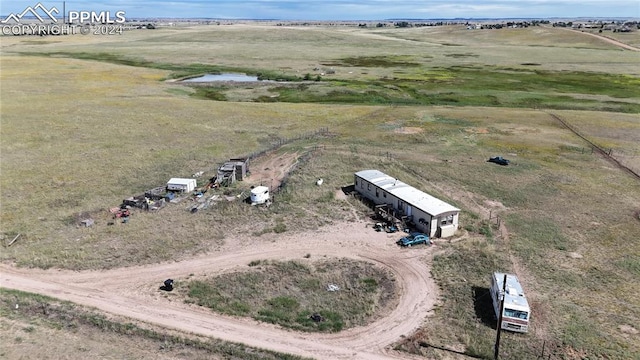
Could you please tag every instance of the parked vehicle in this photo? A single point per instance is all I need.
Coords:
(414, 239)
(516, 313)
(499, 160)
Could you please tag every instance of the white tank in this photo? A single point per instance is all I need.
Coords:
(259, 195)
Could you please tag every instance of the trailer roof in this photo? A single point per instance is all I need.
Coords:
(181, 181)
(407, 193)
(514, 295)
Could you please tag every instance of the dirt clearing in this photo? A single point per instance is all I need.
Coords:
(271, 169)
(133, 292)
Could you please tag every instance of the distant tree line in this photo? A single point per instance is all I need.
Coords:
(615, 26)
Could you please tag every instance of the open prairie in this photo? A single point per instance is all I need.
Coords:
(87, 121)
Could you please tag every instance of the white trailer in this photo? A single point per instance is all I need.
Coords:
(516, 313)
(181, 185)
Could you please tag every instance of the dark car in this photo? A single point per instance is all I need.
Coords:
(499, 160)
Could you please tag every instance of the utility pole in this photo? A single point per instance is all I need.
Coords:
(497, 346)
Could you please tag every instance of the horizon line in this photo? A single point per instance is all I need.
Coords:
(386, 19)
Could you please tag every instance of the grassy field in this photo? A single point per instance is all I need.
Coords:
(81, 130)
(45, 328)
(288, 293)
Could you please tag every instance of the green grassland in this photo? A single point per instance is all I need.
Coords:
(88, 121)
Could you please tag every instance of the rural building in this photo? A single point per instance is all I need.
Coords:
(181, 185)
(232, 171)
(426, 213)
(241, 166)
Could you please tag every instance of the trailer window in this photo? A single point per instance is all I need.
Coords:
(516, 314)
(447, 220)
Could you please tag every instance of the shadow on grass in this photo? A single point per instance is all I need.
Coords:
(483, 306)
(349, 189)
(426, 345)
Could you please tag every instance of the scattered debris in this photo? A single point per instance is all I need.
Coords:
(498, 160)
(121, 213)
(87, 222)
(386, 227)
(198, 174)
(316, 317)
(168, 285)
(333, 287)
(157, 193)
(319, 182)
(14, 240)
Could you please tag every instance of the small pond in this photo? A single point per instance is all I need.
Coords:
(223, 77)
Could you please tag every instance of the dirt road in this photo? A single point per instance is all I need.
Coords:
(609, 40)
(133, 292)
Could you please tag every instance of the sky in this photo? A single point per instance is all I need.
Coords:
(346, 9)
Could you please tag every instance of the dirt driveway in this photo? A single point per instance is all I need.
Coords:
(133, 292)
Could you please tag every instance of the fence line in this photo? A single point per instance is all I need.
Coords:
(606, 153)
(303, 159)
(323, 131)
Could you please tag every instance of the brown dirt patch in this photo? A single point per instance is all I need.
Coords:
(408, 130)
(271, 168)
(628, 329)
(477, 130)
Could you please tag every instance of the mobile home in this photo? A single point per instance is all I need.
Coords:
(429, 215)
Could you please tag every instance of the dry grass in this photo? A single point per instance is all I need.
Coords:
(300, 49)
(615, 132)
(288, 293)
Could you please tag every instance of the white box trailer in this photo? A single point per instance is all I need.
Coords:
(181, 185)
